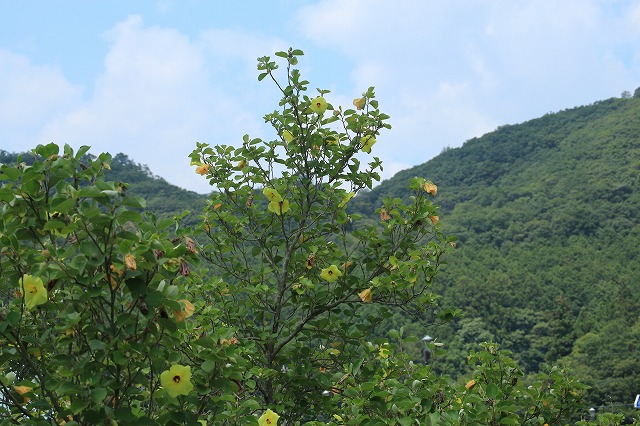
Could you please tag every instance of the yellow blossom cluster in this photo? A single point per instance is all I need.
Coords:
(277, 204)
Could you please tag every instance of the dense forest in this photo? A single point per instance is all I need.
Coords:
(547, 217)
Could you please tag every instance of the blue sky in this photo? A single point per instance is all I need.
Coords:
(150, 78)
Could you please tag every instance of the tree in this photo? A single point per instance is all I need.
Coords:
(93, 298)
(297, 269)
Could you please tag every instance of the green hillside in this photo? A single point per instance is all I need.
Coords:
(547, 215)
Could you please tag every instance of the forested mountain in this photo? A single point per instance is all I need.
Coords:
(547, 215)
(163, 198)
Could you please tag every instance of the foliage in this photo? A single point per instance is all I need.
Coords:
(261, 313)
(397, 391)
(95, 348)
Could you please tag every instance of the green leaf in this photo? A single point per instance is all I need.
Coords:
(136, 286)
(47, 150)
(129, 216)
(78, 405)
(492, 390)
(135, 202)
(154, 298)
(62, 205)
(13, 318)
(406, 421)
(10, 172)
(125, 415)
(90, 192)
(96, 345)
(6, 194)
(208, 365)
(53, 224)
(82, 151)
(510, 420)
(79, 263)
(98, 395)
(506, 407)
(250, 405)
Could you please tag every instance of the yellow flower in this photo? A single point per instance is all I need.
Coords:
(272, 194)
(430, 188)
(186, 312)
(367, 143)
(318, 105)
(242, 164)
(268, 418)
(434, 219)
(202, 169)
(130, 261)
(332, 140)
(346, 199)
(365, 295)
(331, 273)
(33, 290)
(384, 351)
(346, 266)
(279, 207)
(177, 380)
(470, 384)
(288, 136)
(384, 215)
(359, 103)
(22, 390)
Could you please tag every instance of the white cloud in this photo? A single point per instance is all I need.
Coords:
(159, 94)
(29, 96)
